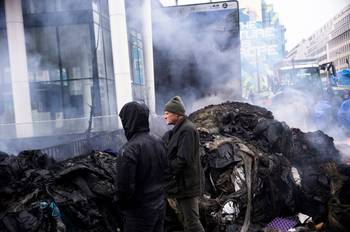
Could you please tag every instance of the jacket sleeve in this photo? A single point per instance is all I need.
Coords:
(184, 154)
(126, 173)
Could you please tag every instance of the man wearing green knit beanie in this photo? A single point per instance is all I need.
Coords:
(176, 106)
(183, 180)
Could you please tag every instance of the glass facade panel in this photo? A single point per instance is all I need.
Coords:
(104, 7)
(38, 6)
(139, 93)
(2, 13)
(75, 50)
(47, 6)
(96, 5)
(5, 75)
(6, 100)
(46, 100)
(100, 6)
(52, 100)
(137, 59)
(69, 59)
(42, 52)
(77, 98)
(137, 65)
(112, 97)
(104, 97)
(70, 5)
(100, 52)
(108, 54)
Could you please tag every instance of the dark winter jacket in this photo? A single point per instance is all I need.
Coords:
(142, 162)
(183, 179)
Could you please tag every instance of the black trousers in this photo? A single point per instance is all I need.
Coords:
(144, 220)
(189, 209)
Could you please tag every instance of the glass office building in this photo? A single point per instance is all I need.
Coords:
(69, 57)
(67, 66)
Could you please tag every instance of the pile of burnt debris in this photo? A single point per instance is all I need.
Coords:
(258, 175)
(39, 194)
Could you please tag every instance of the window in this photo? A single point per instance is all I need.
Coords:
(55, 56)
(38, 6)
(46, 100)
(137, 65)
(42, 50)
(100, 6)
(71, 5)
(69, 59)
(108, 97)
(5, 76)
(45, 6)
(137, 59)
(6, 100)
(77, 96)
(2, 13)
(112, 97)
(104, 7)
(100, 51)
(108, 54)
(75, 50)
(104, 97)
(44, 44)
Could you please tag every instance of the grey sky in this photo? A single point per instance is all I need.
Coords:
(300, 17)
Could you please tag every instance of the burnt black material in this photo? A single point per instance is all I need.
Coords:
(247, 159)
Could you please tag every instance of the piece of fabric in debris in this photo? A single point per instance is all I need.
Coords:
(282, 224)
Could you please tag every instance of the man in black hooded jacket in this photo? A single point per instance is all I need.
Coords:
(140, 178)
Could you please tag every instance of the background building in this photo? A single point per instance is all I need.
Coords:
(339, 43)
(331, 43)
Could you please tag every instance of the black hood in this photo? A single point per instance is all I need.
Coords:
(134, 118)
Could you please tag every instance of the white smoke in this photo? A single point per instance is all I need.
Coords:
(189, 50)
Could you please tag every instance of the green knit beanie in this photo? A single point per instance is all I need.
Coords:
(176, 106)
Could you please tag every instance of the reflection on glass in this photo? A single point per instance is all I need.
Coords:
(112, 97)
(108, 54)
(46, 100)
(100, 51)
(76, 57)
(46, 6)
(5, 76)
(137, 58)
(100, 6)
(104, 97)
(70, 5)
(2, 12)
(104, 7)
(42, 50)
(6, 101)
(137, 62)
(48, 103)
(38, 6)
(61, 60)
(96, 5)
(77, 98)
